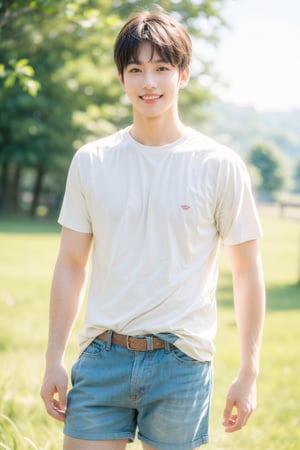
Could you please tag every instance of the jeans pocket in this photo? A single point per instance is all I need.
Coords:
(180, 356)
(94, 349)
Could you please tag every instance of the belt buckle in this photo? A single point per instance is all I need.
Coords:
(149, 343)
(128, 343)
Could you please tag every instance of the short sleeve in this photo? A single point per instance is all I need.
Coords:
(74, 212)
(236, 217)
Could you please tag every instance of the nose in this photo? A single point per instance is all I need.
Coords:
(149, 81)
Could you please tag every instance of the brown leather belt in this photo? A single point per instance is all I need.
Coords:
(141, 344)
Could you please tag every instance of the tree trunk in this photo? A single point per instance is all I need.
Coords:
(37, 190)
(15, 187)
(6, 195)
(4, 184)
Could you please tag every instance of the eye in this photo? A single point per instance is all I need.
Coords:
(163, 68)
(134, 70)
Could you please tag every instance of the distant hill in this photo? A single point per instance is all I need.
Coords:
(240, 127)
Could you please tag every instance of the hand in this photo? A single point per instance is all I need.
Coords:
(240, 403)
(54, 391)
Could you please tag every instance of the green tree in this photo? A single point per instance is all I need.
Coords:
(268, 159)
(62, 51)
(37, 133)
(19, 70)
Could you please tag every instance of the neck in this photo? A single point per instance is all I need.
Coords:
(156, 131)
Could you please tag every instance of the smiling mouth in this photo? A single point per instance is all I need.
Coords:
(150, 98)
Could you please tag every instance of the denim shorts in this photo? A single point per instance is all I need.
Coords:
(163, 394)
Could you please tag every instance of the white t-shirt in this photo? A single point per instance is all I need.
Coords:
(158, 215)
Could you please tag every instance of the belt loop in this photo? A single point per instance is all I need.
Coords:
(108, 342)
(149, 340)
(167, 347)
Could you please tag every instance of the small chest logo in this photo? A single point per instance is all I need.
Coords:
(185, 207)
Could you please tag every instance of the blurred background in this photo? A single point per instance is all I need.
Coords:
(59, 90)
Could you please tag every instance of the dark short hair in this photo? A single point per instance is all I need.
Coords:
(166, 36)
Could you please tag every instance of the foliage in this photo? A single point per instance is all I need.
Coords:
(29, 249)
(20, 70)
(62, 51)
(266, 157)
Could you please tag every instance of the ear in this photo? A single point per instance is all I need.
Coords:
(121, 79)
(184, 77)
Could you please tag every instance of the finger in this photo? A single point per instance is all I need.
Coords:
(233, 424)
(58, 413)
(54, 410)
(62, 398)
(228, 412)
(53, 406)
(237, 421)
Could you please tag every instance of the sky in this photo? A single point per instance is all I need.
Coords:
(259, 57)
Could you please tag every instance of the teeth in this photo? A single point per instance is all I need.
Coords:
(150, 97)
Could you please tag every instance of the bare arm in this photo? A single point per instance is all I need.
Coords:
(68, 284)
(249, 300)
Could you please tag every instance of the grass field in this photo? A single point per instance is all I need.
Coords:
(28, 250)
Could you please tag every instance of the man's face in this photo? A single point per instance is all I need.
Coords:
(152, 84)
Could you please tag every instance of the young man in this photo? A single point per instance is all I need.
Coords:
(153, 201)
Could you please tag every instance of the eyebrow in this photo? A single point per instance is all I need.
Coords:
(155, 61)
